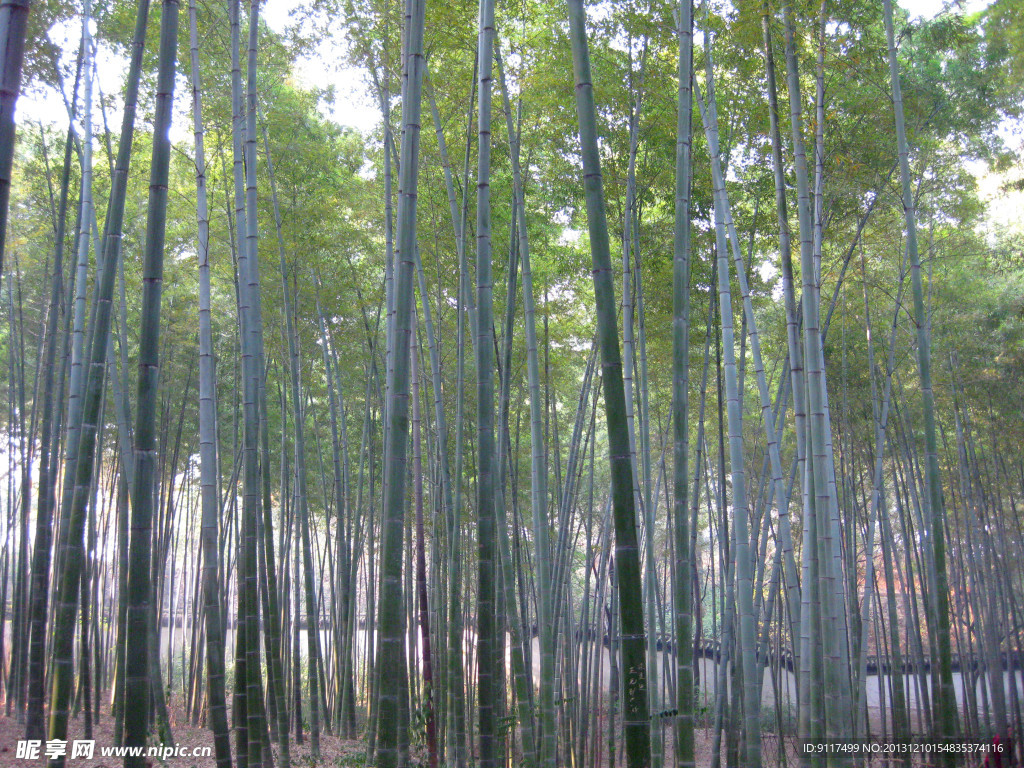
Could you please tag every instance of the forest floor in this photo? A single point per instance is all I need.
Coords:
(334, 752)
(189, 740)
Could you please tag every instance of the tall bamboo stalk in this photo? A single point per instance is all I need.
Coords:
(796, 368)
(208, 467)
(390, 665)
(245, 555)
(487, 687)
(260, 501)
(137, 677)
(301, 496)
(627, 556)
(682, 592)
(13, 23)
(421, 567)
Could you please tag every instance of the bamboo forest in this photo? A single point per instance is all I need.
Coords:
(533, 383)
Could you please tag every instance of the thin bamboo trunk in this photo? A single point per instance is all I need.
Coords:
(302, 508)
(734, 415)
(487, 672)
(208, 468)
(421, 567)
(946, 721)
(538, 459)
(682, 592)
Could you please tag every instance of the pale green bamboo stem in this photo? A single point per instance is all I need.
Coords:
(208, 431)
(734, 416)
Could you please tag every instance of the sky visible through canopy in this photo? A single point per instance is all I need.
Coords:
(353, 107)
(351, 104)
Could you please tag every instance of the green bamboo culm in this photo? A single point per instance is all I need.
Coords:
(250, 415)
(486, 472)
(684, 739)
(441, 436)
(946, 721)
(507, 598)
(209, 532)
(248, 690)
(137, 677)
(113, 227)
(78, 366)
(456, 699)
(13, 23)
(390, 665)
(636, 721)
(50, 447)
(255, 707)
(65, 546)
